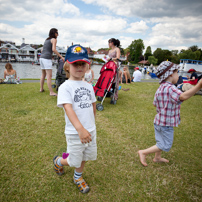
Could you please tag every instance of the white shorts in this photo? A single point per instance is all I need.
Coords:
(79, 152)
(45, 63)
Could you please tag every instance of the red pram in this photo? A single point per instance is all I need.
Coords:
(107, 84)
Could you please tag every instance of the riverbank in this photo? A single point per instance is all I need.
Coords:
(27, 71)
(32, 133)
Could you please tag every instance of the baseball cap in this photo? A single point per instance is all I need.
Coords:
(165, 69)
(76, 53)
(136, 68)
(191, 70)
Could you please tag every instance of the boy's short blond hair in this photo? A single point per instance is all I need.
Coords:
(66, 67)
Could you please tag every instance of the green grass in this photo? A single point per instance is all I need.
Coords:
(32, 133)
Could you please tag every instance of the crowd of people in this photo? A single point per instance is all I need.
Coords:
(76, 96)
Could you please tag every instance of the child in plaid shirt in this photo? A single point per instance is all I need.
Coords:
(167, 101)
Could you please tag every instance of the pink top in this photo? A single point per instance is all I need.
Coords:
(112, 54)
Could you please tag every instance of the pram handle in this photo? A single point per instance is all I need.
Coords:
(117, 60)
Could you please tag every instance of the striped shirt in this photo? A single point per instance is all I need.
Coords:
(167, 103)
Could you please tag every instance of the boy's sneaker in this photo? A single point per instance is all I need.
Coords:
(58, 169)
(82, 185)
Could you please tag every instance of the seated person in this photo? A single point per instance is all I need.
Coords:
(137, 75)
(9, 74)
(89, 75)
(193, 79)
(125, 76)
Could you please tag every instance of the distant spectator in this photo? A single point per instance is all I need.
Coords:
(193, 79)
(125, 77)
(89, 75)
(137, 75)
(9, 74)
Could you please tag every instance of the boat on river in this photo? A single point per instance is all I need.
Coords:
(186, 64)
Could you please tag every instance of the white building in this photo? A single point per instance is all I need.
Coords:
(27, 54)
(8, 52)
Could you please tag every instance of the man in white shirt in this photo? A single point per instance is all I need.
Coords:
(137, 75)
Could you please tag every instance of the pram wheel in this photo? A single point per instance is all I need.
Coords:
(99, 98)
(99, 107)
(113, 102)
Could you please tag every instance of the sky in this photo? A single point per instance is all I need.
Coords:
(165, 24)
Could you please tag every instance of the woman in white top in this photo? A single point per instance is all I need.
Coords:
(89, 75)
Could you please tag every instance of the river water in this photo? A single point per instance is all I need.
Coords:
(29, 71)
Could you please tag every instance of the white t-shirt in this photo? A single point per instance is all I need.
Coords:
(81, 95)
(137, 76)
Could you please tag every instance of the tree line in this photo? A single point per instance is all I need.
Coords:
(135, 53)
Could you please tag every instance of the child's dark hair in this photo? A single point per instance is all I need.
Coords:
(52, 33)
(116, 42)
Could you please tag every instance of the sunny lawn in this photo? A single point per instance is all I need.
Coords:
(32, 133)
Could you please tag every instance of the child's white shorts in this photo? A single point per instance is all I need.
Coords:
(45, 63)
(164, 137)
(79, 152)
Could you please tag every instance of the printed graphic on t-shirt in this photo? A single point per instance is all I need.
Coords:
(83, 97)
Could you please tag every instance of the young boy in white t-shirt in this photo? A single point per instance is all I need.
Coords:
(79, 103)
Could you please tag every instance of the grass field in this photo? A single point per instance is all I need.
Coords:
(32, 133)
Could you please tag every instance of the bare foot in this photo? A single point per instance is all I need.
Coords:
(142, 158)
(160, 160)
(53, 94)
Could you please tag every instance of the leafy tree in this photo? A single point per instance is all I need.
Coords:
(136, 48)
(175, 59)
(193, 48)
(152, 60)
(121, 50)
(182, 51)
(126, 50)
(201, 53)
(158, 54)
(102, 49)
(148, 52)
(174, 52)
(187, 54)
(141, 58)
(41, 45)
(197, 55)
(167, 54)
(162, 55)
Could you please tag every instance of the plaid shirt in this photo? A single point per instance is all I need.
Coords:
(167, 103)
